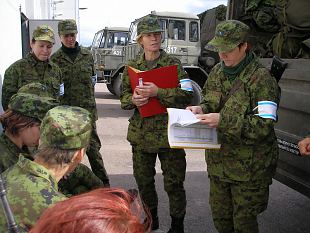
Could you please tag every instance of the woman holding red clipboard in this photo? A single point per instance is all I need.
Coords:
(148, 134)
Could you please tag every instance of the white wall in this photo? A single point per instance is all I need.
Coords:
(10, 28)
(10, 46)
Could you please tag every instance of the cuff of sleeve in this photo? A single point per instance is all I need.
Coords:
(204, 109)
(160, 93)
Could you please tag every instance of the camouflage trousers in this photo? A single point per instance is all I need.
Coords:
(81, 180)
(235, 206)
(95, 158)
(173, 165)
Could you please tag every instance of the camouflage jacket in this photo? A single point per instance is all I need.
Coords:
(249, 150)
(77, 74)
(150, 133)
(9, 152)
(30, 190)
(81, 180)
(28, 70)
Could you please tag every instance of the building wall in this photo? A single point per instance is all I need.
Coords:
(10, 46)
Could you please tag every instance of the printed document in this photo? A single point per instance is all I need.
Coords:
(185, 131)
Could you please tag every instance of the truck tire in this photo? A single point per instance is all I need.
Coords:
(110, 88)
(117, 85)
(197, 94)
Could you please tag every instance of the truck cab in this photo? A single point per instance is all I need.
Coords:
(107, 51)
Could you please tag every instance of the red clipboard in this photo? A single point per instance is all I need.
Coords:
(163, 77)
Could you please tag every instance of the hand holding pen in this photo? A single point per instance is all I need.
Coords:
(147, 89)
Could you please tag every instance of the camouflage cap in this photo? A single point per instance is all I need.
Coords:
(35, 88)
(148, 24)
(66, 127)
(67, 26)
(44, 32)
(228, 35)
(31, 105)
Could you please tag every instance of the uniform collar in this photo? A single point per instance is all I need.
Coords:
(36, 170)
(67, 50)
(34, 61)
(10, 145)
(159, 62)
(247, 69)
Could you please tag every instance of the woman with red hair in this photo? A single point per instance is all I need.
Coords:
(99, 211)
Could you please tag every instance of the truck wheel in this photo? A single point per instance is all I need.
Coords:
(197, 94)
(117, 85)
(110, 88)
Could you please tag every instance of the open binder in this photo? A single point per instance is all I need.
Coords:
(185, 131)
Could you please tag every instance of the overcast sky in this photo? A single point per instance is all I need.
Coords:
(120, 13)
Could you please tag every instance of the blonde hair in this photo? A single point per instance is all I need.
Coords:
(138, 38)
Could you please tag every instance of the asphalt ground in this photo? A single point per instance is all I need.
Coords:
(288, 211)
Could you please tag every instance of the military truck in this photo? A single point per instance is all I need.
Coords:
(107, 50)
(270, 36)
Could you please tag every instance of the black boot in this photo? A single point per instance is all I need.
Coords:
(155, 222)
(177, 225)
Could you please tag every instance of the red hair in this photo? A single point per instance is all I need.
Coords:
(99, 211)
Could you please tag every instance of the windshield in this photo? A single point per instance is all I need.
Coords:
(176, 29)
(117, 38)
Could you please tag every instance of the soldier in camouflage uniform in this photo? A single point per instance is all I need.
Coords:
(241, 171)
(36, 67)
(21, 122)
(77, 66)
(148, 136)
(82, 179)
(32, 185)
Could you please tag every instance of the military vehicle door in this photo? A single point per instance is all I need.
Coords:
(182, 39)
(96, 41)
